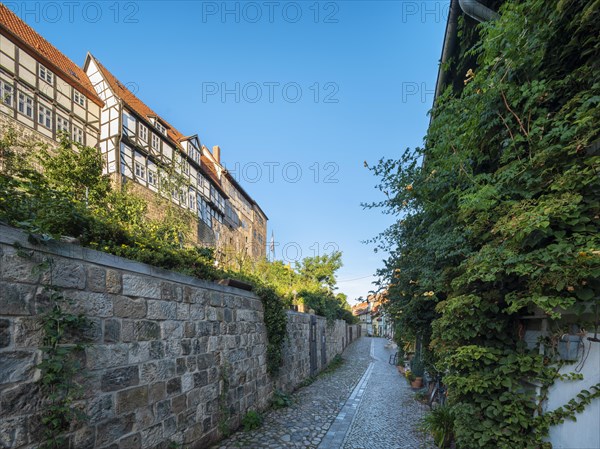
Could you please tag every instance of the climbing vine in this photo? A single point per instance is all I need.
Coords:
(499, 215)
(63, 338)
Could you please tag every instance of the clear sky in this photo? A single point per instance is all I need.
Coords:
(297, 94)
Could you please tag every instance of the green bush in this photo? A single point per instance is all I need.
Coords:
(252, 420)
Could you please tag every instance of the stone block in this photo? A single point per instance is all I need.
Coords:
(16, 268)
(112, 331)
(163, 409)
(152, 435)
(157, 349)
(106, 356)
(129, 308)
(157, 392)
(174, 386)
(120, 378)
(169, 427)
(16, 299)
(114, 282)
(172, 329)
(171, 292)
(84, 438)
(146, 330)
(23, 398)
(100, 407)
(5, 333)
(141, 286)
(139, 352)
(216, 299)
(17, 366)
(157, 370)
(90, 304)
(131, 442)
(113, 429)
(132, 399)
(173, 348)
(13, 432)
(200, 379)
(162, 310)
(96, 279)
(66, 274)
(28, 332)
(183, 311)
(179, 403)
(181, 365)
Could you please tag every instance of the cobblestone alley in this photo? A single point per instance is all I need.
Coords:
(364, 404)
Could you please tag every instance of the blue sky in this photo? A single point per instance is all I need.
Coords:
(297, 94)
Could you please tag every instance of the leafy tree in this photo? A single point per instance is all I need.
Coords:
(321, 269)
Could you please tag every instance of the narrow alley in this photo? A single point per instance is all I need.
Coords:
(363, 404)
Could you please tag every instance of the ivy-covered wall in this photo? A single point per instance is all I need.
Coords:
(164, 357)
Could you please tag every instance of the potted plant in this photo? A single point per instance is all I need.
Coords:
(417, 369)
(400, 361)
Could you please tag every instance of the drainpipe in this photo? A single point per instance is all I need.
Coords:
(449, 42)
(473, 9)
(477, 11)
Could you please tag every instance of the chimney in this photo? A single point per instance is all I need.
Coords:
(217, 153)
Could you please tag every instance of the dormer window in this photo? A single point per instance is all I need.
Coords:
(78, 98)
(46, 74)
(160, 127)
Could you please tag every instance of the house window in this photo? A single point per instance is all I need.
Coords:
(25, 105)
(46, 74)
(78, 97)
(192, 200)
(6, 93)
(77, 134)
(143, 133)
(155, 142)
(160, 127)
(45, 116)
(128, 124)
(140, 170)
(182, 198)
(152, 178)
(62, 124)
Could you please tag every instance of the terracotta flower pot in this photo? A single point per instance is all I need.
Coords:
(417, 383)
(401, 369)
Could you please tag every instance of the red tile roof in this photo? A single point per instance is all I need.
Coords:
(26, 38)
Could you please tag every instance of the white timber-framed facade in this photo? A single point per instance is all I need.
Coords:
(42, 92)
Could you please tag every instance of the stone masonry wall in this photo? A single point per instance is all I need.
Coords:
(172, 358)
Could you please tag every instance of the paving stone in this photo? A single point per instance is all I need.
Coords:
(330, 413)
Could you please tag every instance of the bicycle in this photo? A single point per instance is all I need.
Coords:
(437, 392)
(393, 360)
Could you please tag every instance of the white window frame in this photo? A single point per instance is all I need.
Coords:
(78, 98)
(25, 105)
(143, 133)
(78, 134)
(7, 94)
(62, 124)
(155, 142)
(139, 170)
(45, 74)
(152, 177)
(45, 116)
